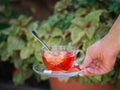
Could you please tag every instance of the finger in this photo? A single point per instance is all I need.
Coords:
(92, 69)
(86, 62)
(85, 73)
(95, 70)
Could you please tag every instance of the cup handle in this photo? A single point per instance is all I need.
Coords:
(77, 61)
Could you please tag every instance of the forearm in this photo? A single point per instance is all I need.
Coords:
(112, 39)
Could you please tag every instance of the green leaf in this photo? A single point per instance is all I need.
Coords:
(26, 52)
(18, 78)
(14, 22)
(33, 26)
(17, 62)
(14, 43)
(98, 78)
(81, 80)
(3, 52)
(28, 73)
(56, 32)
(44, 28)
(105, 80)
(31, 61)
(5, 55)
(38, 56)
(90, 32)
(59, 6)
(76, 34)
(44, 77)
(13, 29)
(41, 32)
(80, 11)
(79, 22)
(95, 79)
(51, 20)
(36, 45)
(27, 33)
(94, 17)
(87, 42)
(54, 41)
(24, 19)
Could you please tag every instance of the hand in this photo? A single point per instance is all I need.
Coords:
(100, 59)
(101, 56)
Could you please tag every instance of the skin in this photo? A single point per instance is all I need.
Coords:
(101, 56)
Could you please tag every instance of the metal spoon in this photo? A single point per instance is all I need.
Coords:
(40, 40)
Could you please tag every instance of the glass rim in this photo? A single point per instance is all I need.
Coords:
(60, 47)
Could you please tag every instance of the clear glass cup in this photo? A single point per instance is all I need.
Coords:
(60, 58)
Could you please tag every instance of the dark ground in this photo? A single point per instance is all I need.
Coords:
(6, 82)
(10, 86)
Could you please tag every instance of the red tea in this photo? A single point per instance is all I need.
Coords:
(58, 60)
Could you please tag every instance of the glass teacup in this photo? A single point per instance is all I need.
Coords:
(60, 58)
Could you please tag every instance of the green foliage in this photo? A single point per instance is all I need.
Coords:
(115, 7)
(6, 14)
(75, 22)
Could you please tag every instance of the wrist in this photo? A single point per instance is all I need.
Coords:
(112, 39)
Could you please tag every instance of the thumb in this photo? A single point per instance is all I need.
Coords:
(86, 62)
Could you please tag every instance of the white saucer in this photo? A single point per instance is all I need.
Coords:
(41, 70)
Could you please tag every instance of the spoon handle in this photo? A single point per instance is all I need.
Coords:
(39, 39)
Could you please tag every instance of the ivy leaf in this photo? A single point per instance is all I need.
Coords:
(76, 34)
(14, 43)
(90, 32)
(56, 32)
(3, 51)
(26, 52)
(78, 21)
(94, 17)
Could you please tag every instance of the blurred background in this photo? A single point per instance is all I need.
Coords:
(11, 9)
(58, 22)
